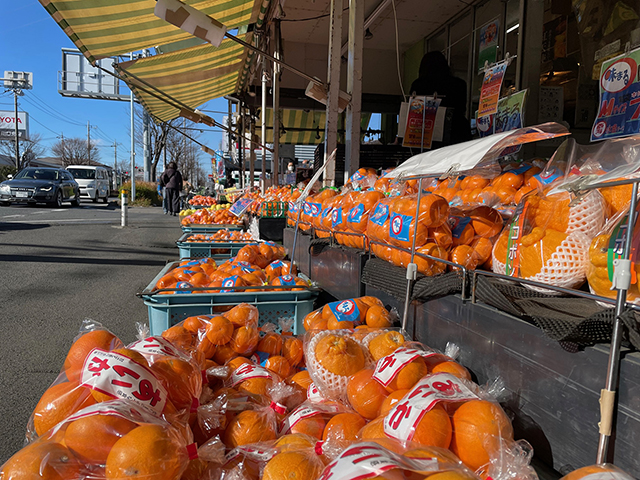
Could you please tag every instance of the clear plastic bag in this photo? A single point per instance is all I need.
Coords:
(605, 471)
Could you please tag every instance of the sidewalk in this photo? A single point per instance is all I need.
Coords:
(56, 275)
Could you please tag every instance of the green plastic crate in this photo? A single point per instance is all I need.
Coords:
(203, 249)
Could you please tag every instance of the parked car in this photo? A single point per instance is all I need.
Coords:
(93, 181)
(40, 185)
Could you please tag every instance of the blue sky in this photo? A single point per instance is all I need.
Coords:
(32, 42)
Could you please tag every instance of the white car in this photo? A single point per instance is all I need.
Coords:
(93, 181)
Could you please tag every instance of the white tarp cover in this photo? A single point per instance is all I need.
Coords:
(474, 153)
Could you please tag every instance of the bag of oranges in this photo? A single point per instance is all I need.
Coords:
(608, 246)
(605, 471)
(350, 313)
(548, 238)
(433, 212)
(363, 179)
(116, 436)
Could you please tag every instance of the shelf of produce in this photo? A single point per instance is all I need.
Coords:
(217, 250)
(338, 270)
(272, 229)
(302, 256)
(552, 392)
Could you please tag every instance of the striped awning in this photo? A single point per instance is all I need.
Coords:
(104, 28)
(192, 76)
(304, 127)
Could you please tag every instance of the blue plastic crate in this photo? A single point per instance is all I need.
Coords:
(204, 249)
(208, 228)
(166, 310)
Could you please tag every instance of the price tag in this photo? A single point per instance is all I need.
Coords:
(229, 282)
(241, 206)
(388, 367)
(300, 413)
(287, 280)
(336, 217)
(380, 214)
(368, 459)
(120, 377)
(156, 346)
(355, 214)
(314, 395)
(457, 225)
(400, 423)
(346, 311)
(257, 454)
(247, 371)
(399, 226)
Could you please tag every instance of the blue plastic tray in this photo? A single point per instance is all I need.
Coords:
(166, 310)
(203, 249)
(208, 228)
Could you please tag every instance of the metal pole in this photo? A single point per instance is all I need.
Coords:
(252, 154)
(412, 268)
(239, 110)
(333, 79)
(88, 142)
(263, 119)
(354, 88)
(15, 121)
(123, 210)
(145, 145)
(275, 85)
(622, 278)
(133, 146)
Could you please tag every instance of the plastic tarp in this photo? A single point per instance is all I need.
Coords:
(474, 153)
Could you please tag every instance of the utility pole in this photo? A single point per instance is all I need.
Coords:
(15, 104)
(64, 154)
(17, 81)
(88, 143)
(115, 156)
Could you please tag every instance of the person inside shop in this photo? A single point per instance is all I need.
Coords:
(172, 181)
(435, 77)
(290, 176)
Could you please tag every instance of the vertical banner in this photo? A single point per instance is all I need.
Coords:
(220, 169)
(420, 122)
(509, 115)
(619, 108)
(490, 93)
(488, 45)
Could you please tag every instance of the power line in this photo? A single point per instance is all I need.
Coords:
(42, 124)
(57, 116)
(31, 94)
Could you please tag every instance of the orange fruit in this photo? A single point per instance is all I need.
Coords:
(257, 386)
(441, 236)
(91, 438)
(312, 426)
(147, 452)
(179, 336)
(482, 248)
(295, 441)
(292, 350)
(334, 324)
(343, 428)
(219, 330)
(311, 318)
(599, 471)
(478, 426)
(181, 379)
(521, 193)
(235, 363)
(271, 343)
(465, 237)
(206, 348)
(44, 460)
(486, 221)
(245, 340)
(434, 429)
(464, 255)
(408, 375)
(82, 346)
(454, 368)
(365, 394)
(391, 400)
(223, 353)
(302, 379)
(378, 317)
(243, 314)
(510, 179)
(278, 365)
(373, 429)
(293, 466)
(249, 426)
(434, 210)
(57, 403)
(385, 344)
(339, 355)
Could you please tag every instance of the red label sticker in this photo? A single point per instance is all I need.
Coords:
(247, 371)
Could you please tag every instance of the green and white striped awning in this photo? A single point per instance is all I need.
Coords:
(104, 28)
(304, 127)
(193, 76)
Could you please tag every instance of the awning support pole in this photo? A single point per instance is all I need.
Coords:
(263, 119)
(412, 268)
(333, 79)
(354, 88)
(275, 85)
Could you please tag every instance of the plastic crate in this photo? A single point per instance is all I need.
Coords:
(208, 228)
(166, 310)
(273, 209)
(204, 249)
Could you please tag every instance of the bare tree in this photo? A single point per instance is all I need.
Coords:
(73, 151)
(29, 149)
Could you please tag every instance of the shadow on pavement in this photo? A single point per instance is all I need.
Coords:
(88, 261)
(21, 226)
(85, 249)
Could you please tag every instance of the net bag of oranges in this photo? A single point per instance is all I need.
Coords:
(350, 313)
(363, 179)
(606, 471)
(605, 249)
(548, 238)
(110, 440)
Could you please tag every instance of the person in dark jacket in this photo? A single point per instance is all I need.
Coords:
(172, 181)
(435, 77)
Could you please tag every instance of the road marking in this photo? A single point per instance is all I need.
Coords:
(54, 221)
(12, 216)
(59, 210)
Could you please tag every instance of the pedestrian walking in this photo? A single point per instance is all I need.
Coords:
(162, 192)
(172, 182)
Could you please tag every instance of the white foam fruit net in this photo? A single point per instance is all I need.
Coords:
(330, 385)
(588, 216)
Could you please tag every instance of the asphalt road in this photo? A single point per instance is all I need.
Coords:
(57, 268)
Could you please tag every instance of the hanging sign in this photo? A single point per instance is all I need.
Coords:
(619, 110)
(490, 93)
(241, 206)
(488, 47)
(421, 121)
(509, 116)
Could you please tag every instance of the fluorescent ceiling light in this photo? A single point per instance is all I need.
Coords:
(515, 27)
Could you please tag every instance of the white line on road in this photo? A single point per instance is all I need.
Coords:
(12, 216)
(88, 220)
(59, 210)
